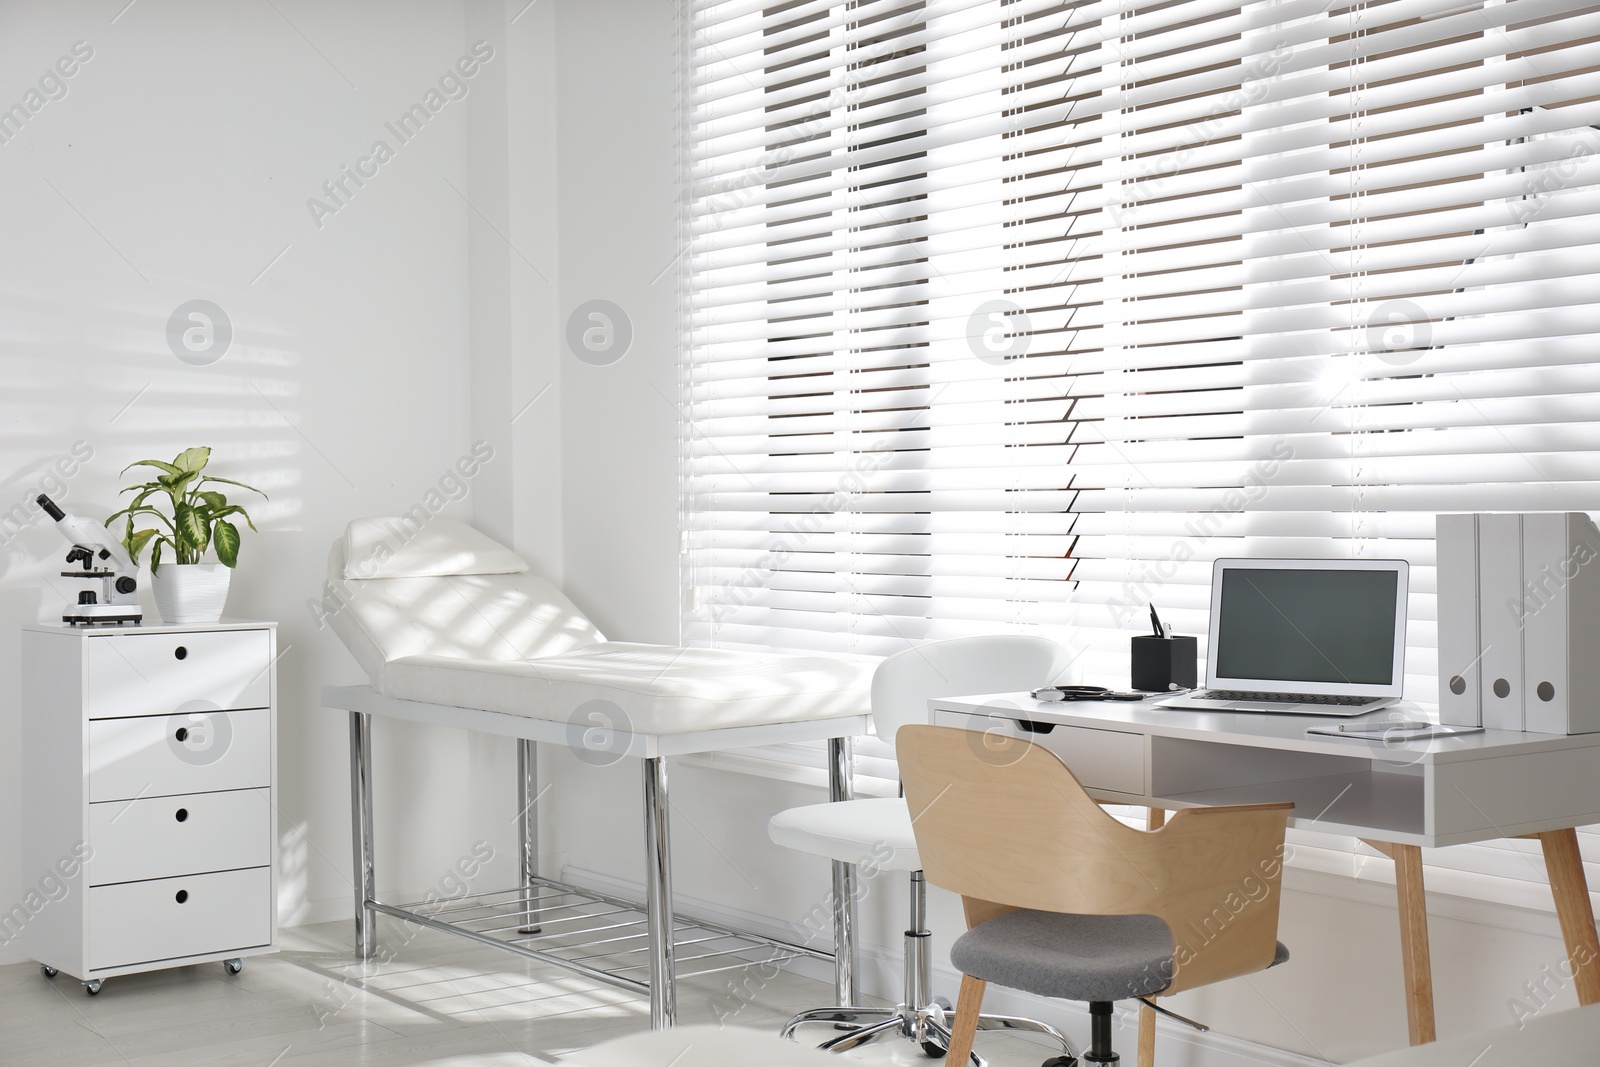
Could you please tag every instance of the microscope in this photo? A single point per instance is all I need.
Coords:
(103, 557)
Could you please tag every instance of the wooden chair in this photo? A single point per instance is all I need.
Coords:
(1063, 900)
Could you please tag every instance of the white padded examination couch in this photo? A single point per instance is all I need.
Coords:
(452, 629)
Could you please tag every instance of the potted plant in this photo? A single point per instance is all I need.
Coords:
(187, 589)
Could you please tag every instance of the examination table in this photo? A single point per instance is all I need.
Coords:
(452, 629)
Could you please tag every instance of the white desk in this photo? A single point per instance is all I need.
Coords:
(1398, 797)
(543, 919)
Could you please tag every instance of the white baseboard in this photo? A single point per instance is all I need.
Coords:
(1380, 892)
(882, 976)
(331, 909)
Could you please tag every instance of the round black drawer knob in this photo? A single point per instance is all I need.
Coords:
(180, 653)
(182, 734)
(182, 897)
(182, 815)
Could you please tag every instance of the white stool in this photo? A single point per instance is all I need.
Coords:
(876, 833)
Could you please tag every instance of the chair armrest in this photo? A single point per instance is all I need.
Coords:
(1225, 870)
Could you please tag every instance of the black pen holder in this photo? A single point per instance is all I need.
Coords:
(1159, 663)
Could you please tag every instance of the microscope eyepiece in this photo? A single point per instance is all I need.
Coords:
(50, 509)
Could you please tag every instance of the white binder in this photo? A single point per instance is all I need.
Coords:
(1560, 604)
(1500, 674)
(1459, 648)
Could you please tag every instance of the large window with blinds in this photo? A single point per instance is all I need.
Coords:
(1010, 314)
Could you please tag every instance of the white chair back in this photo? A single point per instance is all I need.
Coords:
(963, 666)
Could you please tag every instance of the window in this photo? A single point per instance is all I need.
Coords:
(1005, 314)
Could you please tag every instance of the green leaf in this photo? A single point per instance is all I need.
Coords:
(155, 557)
(137, 541)
(226, 538)
(138, 505)
(156, 463)
(193, 459)
(230, 481)
(192, 531)
(215, 501)
(130, 512)
(174, 483)
(233, 509)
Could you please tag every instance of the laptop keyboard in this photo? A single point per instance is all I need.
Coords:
(1284, 698)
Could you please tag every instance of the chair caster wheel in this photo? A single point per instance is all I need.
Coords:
(1060, 1061)
(47, 970)
(933, 1050)
(234, 966)
(92, 987)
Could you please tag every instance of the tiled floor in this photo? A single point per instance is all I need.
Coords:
(440, 1002)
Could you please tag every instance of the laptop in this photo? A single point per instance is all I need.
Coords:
(1303, 637)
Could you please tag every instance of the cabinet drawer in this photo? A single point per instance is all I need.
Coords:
(191, 753)
(1101, 759)
(138, 922)
(157, 674)
(166, 836)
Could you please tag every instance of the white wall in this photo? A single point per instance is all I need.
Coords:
(178, 166)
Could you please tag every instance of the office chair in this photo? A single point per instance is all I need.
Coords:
(877, 833)
(1069, 902)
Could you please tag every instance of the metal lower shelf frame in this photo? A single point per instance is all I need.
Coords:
(593, 934)
(606, 938)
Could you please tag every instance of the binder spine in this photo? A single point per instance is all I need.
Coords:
(1546, 623)
(1500, 672)
(1460, 650)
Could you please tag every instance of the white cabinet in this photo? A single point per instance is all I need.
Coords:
(148, 781)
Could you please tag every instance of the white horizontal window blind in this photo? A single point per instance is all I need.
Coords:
(1007, 315)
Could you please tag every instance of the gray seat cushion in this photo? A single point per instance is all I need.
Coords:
(1074, 957)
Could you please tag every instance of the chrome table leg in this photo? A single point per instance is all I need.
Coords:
(841, 786)
(528, 823)
(658, 894)
(362, 867)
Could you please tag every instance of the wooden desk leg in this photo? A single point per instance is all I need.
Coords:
(1414, 943)
(1418, 967)
(1571, 891)
(1155, 819)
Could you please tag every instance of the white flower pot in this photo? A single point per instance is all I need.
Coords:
(191, 592)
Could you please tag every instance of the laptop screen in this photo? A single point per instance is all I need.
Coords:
(1307, 625)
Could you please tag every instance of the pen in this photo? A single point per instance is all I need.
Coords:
(1392, 725)
(1155, 621)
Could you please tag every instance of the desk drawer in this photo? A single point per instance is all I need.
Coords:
(1101, 759)
(138, 922)
(157, 674)
(167, 754)
(166, 836)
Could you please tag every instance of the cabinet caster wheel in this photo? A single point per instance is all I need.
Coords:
(1060, 1061)
(47, 970)
(234, 966)
(92, 987)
